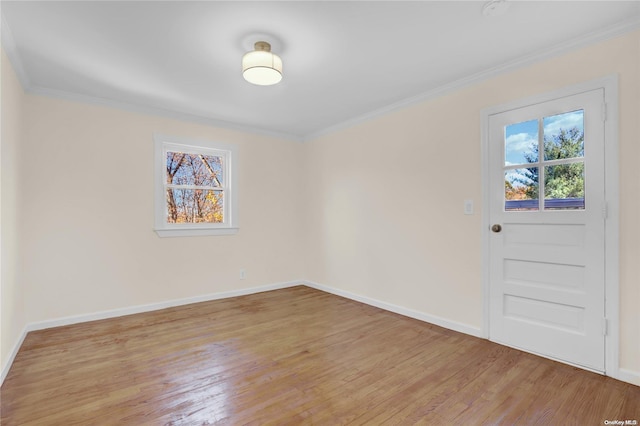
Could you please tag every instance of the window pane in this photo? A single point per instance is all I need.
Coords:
(564, 186)
(194, 206)
(521, 143)
(521, 189)
(564, 135)
(194, 169)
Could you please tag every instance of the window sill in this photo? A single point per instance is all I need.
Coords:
(164, 233)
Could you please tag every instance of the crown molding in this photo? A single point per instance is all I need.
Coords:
(616, 30)
(10, 48)
(159, 111)
(613, 31)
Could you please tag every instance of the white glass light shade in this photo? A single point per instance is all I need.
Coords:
(262, 67)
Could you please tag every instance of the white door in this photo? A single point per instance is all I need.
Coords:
(547, 208)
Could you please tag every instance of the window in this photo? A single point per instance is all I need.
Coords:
(195, 187)
(544, 160)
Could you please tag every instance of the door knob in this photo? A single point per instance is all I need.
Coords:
(496, 228)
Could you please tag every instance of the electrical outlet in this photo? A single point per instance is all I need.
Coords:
(243, 274)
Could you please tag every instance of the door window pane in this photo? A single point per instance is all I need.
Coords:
(521, 143)
(564, 186)
(564, 135)
(521, 189)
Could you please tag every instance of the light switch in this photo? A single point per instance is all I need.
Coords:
(468, 206)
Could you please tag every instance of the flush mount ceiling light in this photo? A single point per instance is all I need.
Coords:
(262, 67)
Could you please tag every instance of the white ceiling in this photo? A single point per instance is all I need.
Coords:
(343, 60)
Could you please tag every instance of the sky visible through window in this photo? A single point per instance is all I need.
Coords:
(520, 137)
(563, 137)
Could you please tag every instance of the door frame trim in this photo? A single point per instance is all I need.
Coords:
(612, 197)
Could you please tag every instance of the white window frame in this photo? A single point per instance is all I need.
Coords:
(229, 153)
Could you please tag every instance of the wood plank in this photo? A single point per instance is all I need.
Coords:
(293, 356)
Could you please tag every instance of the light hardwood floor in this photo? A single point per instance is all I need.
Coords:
(293, 356)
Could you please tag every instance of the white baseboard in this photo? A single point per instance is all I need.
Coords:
(622, 374)
(113, 313)
(628, 376)
(7, 366)
(432, 319)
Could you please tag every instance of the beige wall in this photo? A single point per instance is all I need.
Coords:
(88, 243)
(385, 198)
(12, 315)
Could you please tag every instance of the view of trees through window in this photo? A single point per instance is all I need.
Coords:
(561, 164)
(194, 188)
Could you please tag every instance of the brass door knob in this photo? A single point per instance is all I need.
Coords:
(496, 228)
